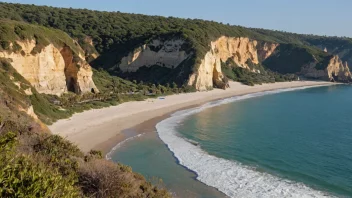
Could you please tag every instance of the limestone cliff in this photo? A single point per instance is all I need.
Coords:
(336, 70)
(242, 51)
(52, 70)
(171, 53)
(167, 53)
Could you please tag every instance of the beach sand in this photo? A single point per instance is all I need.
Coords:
(101, 129)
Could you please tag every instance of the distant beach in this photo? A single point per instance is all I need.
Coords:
(101, 129)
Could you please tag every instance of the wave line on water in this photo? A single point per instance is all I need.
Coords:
(230, 177)
(108, 156)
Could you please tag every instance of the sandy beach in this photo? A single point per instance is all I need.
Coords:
(101, 128)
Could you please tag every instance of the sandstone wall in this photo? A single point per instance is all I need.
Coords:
(335, 71)
(167, 53)
(240, 50)
(244, 52)
(53, 70)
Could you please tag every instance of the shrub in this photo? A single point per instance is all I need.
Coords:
(22, 176)
(29, 175)
(102, 178)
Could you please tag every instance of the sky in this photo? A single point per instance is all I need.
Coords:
(321, 17)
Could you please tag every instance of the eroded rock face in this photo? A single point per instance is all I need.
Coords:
(167, 53)
(204, 78)
(31, 113)
(335, 71)
(240, 50)
(78, 73)
(53, 70)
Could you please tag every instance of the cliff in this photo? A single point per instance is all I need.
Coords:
(171, 53)
(27, 147)
(53, 70)
(308, 62)
(160, 50)
(16, 109)
(50, 67)
(336, 70)
(168, 53)
(242, 51)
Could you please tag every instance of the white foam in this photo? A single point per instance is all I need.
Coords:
(108, 156)
(230, 177)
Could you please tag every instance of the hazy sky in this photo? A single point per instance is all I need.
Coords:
(323, 17)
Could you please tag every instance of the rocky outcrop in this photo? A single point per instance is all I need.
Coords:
(53, 70)
(30, 112)
(265, 50)
(242, 51)
(78, 73)
(204, 78)
(167, 53)
(336, 70)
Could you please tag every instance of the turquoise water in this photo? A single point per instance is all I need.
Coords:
(289, 144)
(303, 136)
(149, 156)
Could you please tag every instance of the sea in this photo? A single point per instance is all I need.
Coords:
(294, 142)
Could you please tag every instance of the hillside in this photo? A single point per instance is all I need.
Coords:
(36, 164)
(55, 62)
(146, 48)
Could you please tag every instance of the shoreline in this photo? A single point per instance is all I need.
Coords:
(103, 129)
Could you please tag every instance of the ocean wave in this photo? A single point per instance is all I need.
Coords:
(108, 156)
(230, 177)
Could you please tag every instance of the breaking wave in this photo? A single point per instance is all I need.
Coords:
(108, 156)
(230, 177)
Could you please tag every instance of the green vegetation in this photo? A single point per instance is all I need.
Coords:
(12, 31)
(43, 165)
(333, 44)
(113, 90)
(289, 58)
(36, 164)
(13, 100)
(49, 108)
(262, 75)
(25, 175)
(115, 34)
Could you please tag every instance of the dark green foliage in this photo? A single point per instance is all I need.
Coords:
(115, 34)
(113, 90)
(153, 74)
(289, 58)
(11, 31)
(236, 73)
(324, 62)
